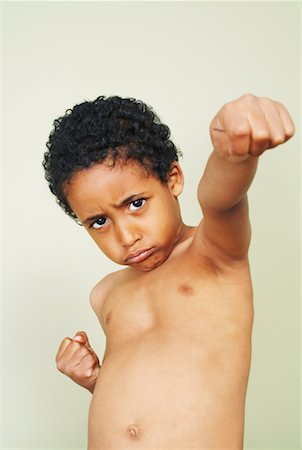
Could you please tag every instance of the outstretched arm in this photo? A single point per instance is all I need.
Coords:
(241, 131)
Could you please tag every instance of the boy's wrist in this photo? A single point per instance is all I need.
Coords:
(233, 159)
(225, 182)
(92, 384)
(91, 388)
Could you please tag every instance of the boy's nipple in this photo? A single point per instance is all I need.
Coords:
(185, 289)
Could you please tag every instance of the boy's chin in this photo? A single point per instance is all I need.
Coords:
(142, 268)
(145, 268)
(148, 265)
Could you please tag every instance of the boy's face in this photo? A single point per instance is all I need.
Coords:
(133, 218)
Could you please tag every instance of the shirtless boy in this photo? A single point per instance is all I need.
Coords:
(178, 319)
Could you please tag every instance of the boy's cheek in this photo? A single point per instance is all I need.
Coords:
(109, 249)
(99, 242)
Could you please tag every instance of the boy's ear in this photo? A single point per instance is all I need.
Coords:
(175, 180)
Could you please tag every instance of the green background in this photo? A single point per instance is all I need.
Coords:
(186, 59)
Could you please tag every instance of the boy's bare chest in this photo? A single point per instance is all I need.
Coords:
(175, 298)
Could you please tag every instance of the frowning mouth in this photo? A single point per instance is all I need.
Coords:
(139, 256)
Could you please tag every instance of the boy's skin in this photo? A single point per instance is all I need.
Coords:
(178, 320)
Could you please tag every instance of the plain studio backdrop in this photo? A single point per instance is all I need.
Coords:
(186, 59)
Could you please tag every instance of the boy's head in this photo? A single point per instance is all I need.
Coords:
(133, 217)
(112, 130)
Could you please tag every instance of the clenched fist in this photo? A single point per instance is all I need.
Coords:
(77, 360)
(248, 126)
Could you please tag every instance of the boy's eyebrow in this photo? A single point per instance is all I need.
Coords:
(129, 199)
(92, 218)
(123, 202)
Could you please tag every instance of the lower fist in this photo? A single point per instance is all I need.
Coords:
(76, 359)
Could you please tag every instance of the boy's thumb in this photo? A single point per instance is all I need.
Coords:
(81, 337)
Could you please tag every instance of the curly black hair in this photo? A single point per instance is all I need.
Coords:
(112, 128)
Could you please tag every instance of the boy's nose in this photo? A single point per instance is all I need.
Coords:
(128, 236)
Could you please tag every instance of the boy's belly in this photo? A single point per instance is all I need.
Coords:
(168, 391)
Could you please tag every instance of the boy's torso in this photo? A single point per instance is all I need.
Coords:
(177, 357)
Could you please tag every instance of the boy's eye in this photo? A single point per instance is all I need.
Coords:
(137, 204)
(99, 223)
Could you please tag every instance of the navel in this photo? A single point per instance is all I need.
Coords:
(133, 431)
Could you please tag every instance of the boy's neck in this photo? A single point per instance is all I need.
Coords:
(185, 232)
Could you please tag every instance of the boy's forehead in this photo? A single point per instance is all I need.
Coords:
(103, 184)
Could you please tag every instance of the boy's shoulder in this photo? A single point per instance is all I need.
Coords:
(104, 287)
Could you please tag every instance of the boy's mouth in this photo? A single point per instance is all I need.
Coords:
(139, 256)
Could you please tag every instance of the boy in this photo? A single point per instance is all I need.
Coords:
(178, 319)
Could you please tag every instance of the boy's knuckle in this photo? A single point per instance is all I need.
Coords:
(261, 135)
(93, 361)
(278, 104)
(265, 101)
(88, 373)
(278, 139)
(240, 131)
(228, 108)
(67, 369)
(290, 131)
(248, 97)
(61, 367)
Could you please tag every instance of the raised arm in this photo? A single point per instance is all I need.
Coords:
(241, 131)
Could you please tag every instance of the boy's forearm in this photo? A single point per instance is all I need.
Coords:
(225, 182)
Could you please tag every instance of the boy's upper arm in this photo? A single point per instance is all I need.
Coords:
(94, 296)
(98, 296)
(102, 291)
(225, 236)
